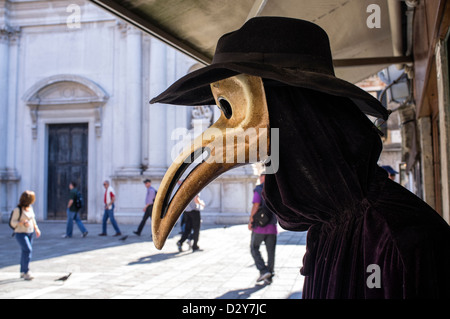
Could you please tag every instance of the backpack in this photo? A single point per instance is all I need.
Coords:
(10, 218)
(78, 202)
(263, 215)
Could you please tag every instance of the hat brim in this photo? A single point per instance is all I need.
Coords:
(194, 88)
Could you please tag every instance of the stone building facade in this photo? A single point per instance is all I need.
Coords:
(75, 83)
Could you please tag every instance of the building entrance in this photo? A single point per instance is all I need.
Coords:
(67, 161)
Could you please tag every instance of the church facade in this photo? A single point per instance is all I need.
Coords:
(75, 85)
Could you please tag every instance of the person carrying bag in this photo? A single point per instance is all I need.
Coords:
(24, 223)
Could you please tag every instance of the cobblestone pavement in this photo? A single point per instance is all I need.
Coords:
(107, 267)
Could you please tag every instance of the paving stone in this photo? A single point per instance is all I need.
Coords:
(107, 268)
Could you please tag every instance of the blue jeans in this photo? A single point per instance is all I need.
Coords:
(109, 213)
(70, 218)
(25, 241)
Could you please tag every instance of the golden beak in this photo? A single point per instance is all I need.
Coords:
(240, 136)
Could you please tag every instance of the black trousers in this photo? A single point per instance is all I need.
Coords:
(147, 215)
(192, 222)
(271, 241)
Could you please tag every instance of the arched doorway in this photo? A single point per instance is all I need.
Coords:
(66, 112)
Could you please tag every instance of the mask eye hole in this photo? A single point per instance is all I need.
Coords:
(225, 106)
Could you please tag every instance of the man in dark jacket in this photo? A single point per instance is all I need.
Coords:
(72, 213)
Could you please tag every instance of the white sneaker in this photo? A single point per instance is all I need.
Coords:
(27, 276)
(264, 276)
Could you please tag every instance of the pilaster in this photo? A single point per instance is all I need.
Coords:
(9, 176)
(444, 122)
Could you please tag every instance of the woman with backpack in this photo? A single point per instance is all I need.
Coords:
(24, 223)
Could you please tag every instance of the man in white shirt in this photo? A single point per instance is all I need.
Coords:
(192, 222)
(109, 198)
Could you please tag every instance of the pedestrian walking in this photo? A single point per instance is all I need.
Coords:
(24, 223)
(192, 221)
(108, 199)
(73, 212)
(266, 233)
(183, 228)
(149, 199)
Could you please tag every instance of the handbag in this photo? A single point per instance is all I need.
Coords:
(262, 217)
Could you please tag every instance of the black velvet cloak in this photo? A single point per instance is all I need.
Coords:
(329, 183)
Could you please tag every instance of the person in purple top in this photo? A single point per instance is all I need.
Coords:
(149, 199)
(266, 234)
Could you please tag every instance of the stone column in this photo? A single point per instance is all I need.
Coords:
(4, 62)
(133, 107)
(146, 41)
(12, 101)
(157, 112)
(9, 176)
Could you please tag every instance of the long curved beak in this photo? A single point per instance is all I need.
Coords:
(240, 136)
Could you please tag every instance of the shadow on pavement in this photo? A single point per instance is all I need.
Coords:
(155, 258)
(51, 245)
(243, 293)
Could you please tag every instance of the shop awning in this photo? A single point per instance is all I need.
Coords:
(359, 48)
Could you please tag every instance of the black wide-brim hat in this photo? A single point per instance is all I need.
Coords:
(290, 51)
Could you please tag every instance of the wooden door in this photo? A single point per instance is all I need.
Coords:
(67, 161)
